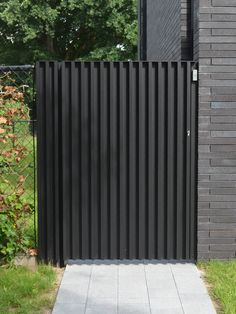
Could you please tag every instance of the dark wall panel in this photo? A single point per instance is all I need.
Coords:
(160, 30)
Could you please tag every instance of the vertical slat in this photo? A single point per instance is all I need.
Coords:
(141, 133)
(74, 160)
(132, 165)
(65, 134)
(41, 160)
(49, 161)
(104, 162)
(56, 169)
(123, 186)
(180, 162)
(151, 164)
(194, 142)
(94, 160)
(80, 141)
(85, 161)
(161, 151)
(113, 162)
(188, 160)
(170, 165)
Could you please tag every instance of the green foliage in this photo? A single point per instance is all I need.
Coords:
(24, 291)
(67, 29)
(15, 208)
(12, 236)
(221, 276)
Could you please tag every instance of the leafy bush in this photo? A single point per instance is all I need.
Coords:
(14, 207)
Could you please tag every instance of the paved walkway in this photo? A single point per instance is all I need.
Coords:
(138, 287)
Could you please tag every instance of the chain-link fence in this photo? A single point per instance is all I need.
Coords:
(18, 142)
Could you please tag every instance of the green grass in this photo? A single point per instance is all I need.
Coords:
(221, 277)
(23, 291)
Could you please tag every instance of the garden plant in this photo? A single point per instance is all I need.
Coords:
(15, 208)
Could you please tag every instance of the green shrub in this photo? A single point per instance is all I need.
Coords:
(15, 209)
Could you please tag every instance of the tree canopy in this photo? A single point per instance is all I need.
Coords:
(67, 30)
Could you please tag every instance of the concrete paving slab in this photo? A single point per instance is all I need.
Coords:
(68, 308)
(194, 304)
(134, 308)
(137, 287)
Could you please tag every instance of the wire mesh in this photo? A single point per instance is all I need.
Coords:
(18, 139)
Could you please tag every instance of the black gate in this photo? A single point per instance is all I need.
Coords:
(117, 159)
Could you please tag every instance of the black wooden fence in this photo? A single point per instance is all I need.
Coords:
(117, 160)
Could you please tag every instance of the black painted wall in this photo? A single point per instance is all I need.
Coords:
(160, 28)
(166, 30)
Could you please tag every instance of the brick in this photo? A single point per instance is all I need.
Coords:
(223, 90)
(222, 46)
(203, 248)
(223, 247)
(205, 98)
(224, 61)
(217, 112)
(203, 234)
(223, 162)
(222, 191)
(203, 205)
(215, 10)
(215, 155)
(216, 226)
(205, 32)
(214, 198)
(203, 177)
(217, 69)
(221, 127)
(226, 105)
(223, 119)
(217, 184)
(229, 171)
(223, 219)
(223, 234)
(203, 163)
(217, 25)
(217, 39)
(215, 255)
(204, 3)
(220, 17)
(217, 140)
(204, 120)
(205, 61)
(216, 241)
(204, 148)
(216, 53)
(206, 18)
(206, 83)
(223, 148)
(203, 219)
(204, 91)
(223, 97)
(217, 212)
(203, 134)
(223, 133)
(223, 205)
(224, 3)
(224, 31)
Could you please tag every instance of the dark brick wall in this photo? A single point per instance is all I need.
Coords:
(215, 45)
(160, 30)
